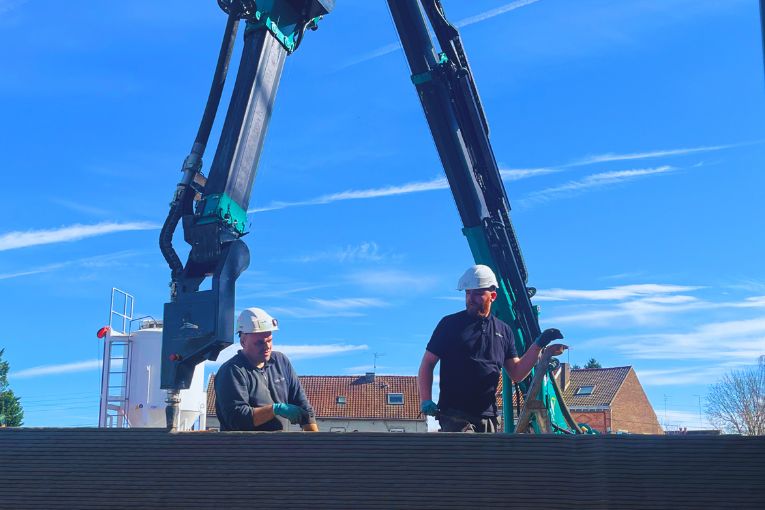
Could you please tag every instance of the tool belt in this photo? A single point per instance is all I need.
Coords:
(452, 420)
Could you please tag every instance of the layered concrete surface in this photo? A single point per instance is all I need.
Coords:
(149, 468)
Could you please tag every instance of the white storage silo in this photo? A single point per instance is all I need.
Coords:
(130, 383)
(146, 401)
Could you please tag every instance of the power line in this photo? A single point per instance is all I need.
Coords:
(57, 400)
(62, 408)
(50, 395)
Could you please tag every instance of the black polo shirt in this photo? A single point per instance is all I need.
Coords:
(240, 386)
(472, 352)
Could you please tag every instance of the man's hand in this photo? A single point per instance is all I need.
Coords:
(428, 407)
(547, 336)
(556, 349)
(295, 414)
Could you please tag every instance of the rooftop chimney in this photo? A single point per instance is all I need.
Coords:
(370, 377)
(565, 376)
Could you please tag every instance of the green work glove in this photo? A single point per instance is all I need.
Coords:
(547, 336)
(428, 407)
(295, 414)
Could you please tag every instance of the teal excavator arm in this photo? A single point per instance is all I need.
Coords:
(198, 324)
(455, 115)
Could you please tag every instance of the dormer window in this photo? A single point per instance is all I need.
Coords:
(584, 390)
(396, 399)
(340, 400)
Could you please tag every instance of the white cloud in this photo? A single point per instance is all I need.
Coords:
(345, 303)
(516, 174)
(368, 251)
(439, 183)
(749, 286)
(751, 302)
(494, 12)
(66, 368)
(702, 374)
(630, 156)
(379, 370)
(686, 419)
(371, 55)
(739, 341)
(393, 47)
(319, 351)
(670, 300)
(571, 187)
(361, 369)
(612, 293)
(392, 281)
(649, 310)
(28, 272)
(592, 182)
(320, 308)
(281, 290)
(412, 187)
(609, 158)
(642, 304)
(458, 297)
(305, 351)
(19, 239)
(99, 261)
(81, 207)
(307, 312)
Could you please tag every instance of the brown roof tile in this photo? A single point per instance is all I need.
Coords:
(363, 399)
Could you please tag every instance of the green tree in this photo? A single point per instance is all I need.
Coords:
(736, 403)
(593, 363)
(11, 412)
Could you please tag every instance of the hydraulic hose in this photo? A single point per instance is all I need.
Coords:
(184, 196)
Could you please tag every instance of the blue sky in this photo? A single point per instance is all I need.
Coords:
(629, 134)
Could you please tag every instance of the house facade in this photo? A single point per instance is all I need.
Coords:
(609, 400)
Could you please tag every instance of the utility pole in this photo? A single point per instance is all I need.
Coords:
(666, 397)
(701, 419)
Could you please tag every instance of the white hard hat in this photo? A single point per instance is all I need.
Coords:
(477, 277)
(255, 320)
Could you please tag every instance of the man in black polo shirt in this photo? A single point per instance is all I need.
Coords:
(473, 346)
(258, 389)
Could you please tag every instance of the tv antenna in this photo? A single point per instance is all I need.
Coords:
(376, 355)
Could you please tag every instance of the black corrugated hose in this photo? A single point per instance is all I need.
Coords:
(183, 199)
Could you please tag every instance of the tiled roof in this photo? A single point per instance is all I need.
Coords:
(606, 382)
(363, 399)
